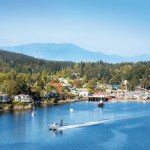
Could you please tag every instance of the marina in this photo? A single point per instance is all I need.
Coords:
(75, 75)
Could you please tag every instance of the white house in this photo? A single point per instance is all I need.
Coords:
(74, 91)
(64, 82)
(99, 94)
(23, 98)
(83, 92)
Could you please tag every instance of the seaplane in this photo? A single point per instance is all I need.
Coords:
(56, 126)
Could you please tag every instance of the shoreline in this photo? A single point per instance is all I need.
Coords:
(29, 106)
(131, 100)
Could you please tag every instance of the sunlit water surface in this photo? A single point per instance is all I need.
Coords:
(118, 126)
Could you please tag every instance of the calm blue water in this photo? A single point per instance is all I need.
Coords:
(19, 130)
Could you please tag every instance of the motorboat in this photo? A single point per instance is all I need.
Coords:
(101, 104)
(33, 113)
(71, 109)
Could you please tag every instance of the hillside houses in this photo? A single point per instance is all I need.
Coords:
(103, 86)
(4, 98)
(52, 94)
(64, 82)
(56, 84)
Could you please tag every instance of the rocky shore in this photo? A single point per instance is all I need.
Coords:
(9, 107)
(28, 106)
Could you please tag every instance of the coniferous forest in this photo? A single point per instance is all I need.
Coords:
(21, 73)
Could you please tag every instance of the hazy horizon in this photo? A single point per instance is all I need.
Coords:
(120, 27)
(72, 44)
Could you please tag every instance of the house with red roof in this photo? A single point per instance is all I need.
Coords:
(56, 84)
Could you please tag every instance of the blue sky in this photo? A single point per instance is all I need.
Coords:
(111, 26)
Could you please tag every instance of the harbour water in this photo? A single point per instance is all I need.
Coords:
(119, 126)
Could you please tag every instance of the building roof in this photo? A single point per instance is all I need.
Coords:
(99, 94)
(116, 86)
(56, 84)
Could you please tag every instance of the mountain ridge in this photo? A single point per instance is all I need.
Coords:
(70, 52)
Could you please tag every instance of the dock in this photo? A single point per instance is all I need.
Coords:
(97, 98)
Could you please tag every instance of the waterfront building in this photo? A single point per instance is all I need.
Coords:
(83, 92)
(23, 98)
(4, 98)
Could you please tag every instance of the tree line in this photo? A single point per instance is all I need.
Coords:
(24, 74)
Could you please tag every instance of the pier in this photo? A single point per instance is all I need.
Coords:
(96, 98)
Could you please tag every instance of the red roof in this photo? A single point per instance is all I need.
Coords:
(99, 94)
(56, 84)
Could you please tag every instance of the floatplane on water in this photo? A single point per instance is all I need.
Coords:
(56, 126)
(60, 127)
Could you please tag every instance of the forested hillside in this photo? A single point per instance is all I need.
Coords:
(21, 73)
(27, 64)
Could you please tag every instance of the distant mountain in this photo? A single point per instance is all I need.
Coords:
(70, 52)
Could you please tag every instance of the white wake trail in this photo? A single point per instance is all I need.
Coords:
(97, 122)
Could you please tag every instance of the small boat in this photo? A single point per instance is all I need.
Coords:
(101, 104)
(33, 108)
(71, 109)
(33, 113)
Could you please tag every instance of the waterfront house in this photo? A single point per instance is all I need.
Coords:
(73, 91)
(23, 98)
(83, 92)
(4, 98)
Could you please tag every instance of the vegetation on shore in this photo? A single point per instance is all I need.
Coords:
(26, 106)
(24, 74)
